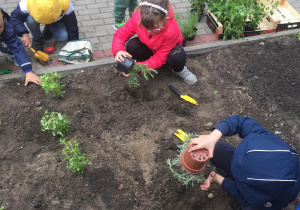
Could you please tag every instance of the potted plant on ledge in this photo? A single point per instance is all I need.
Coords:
(236, 15)
(198, 7)
(188, 26)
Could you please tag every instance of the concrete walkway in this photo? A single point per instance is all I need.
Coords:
(95, 21)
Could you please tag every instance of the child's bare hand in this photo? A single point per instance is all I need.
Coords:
(120, 56)
(26, 40)
(31, 77)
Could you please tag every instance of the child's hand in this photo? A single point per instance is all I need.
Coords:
(31, 77)
(206, 141)
(120, 56)
(26, 40)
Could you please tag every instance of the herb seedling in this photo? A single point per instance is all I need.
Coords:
(134, 74)
(55, 122)
(298, 35)
(178, 171)
(50, 82)
(77, 160)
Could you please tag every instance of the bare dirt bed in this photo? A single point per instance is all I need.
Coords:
(128, 134)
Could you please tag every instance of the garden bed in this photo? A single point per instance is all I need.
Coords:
(128, 134)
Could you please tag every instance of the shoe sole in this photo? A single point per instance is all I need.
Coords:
(9, 58)
(191, 83)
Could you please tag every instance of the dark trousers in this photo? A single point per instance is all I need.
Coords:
(140, 52)
(223, 155)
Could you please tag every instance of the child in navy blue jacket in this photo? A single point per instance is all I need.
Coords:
(11, 45)
(262, 172)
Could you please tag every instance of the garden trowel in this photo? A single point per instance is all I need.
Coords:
(184, 97)
(40, 55)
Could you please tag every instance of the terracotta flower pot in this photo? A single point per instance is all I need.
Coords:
(194, 162)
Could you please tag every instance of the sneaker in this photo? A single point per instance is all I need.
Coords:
(37, 44)
(186, 75)
(47, 33)
(117, 26)
(13, 59)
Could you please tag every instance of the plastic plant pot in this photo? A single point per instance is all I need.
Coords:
(126, 65)
(194, 162)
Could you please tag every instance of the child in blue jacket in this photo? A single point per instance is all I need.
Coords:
(11, 45)
(262, 172)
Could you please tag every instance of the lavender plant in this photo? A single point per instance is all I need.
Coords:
(178, 171)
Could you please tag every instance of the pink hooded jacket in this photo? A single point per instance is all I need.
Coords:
(161, 44)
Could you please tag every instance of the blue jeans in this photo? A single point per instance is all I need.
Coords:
(58, 29)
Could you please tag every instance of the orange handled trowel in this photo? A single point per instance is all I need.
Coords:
(40, 55)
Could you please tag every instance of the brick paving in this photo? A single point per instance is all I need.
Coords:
(95, 21)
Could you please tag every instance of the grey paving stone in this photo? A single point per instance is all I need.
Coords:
(88, 11)
(95, 33)
(97, 5)
(85, 2)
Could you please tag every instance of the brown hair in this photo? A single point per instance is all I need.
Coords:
(150, 16)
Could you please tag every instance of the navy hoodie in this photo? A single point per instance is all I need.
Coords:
(264, 167)
(14, 44)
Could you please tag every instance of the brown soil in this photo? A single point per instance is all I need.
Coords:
(128, 134)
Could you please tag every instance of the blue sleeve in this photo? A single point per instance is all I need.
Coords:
(243, 126)
(17, 20)
(231, 188)
(70, 21)
(16, 46)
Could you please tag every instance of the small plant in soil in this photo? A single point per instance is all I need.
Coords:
(2, 207)
(188, 26)
(72, 153)
(50, 82)
(139, 69)
(298, 35)
(57, 123)
(178, 171)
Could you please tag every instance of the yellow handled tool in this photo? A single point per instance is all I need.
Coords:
(184, 97)
(181, 135)
(40, 55)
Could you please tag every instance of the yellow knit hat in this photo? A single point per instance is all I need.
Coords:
(47, 11)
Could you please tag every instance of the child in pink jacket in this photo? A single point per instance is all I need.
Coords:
(159, 39)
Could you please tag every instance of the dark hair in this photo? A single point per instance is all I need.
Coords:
(150, 16)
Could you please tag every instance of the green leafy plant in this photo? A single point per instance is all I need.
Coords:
(235, 15)
(72, 153)
(2, 207)
(298, 35)
(178, 171)
(50, 82)
(216, 92)
(188, 26)
(198, 7)
(139, 69)
(55, 122)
